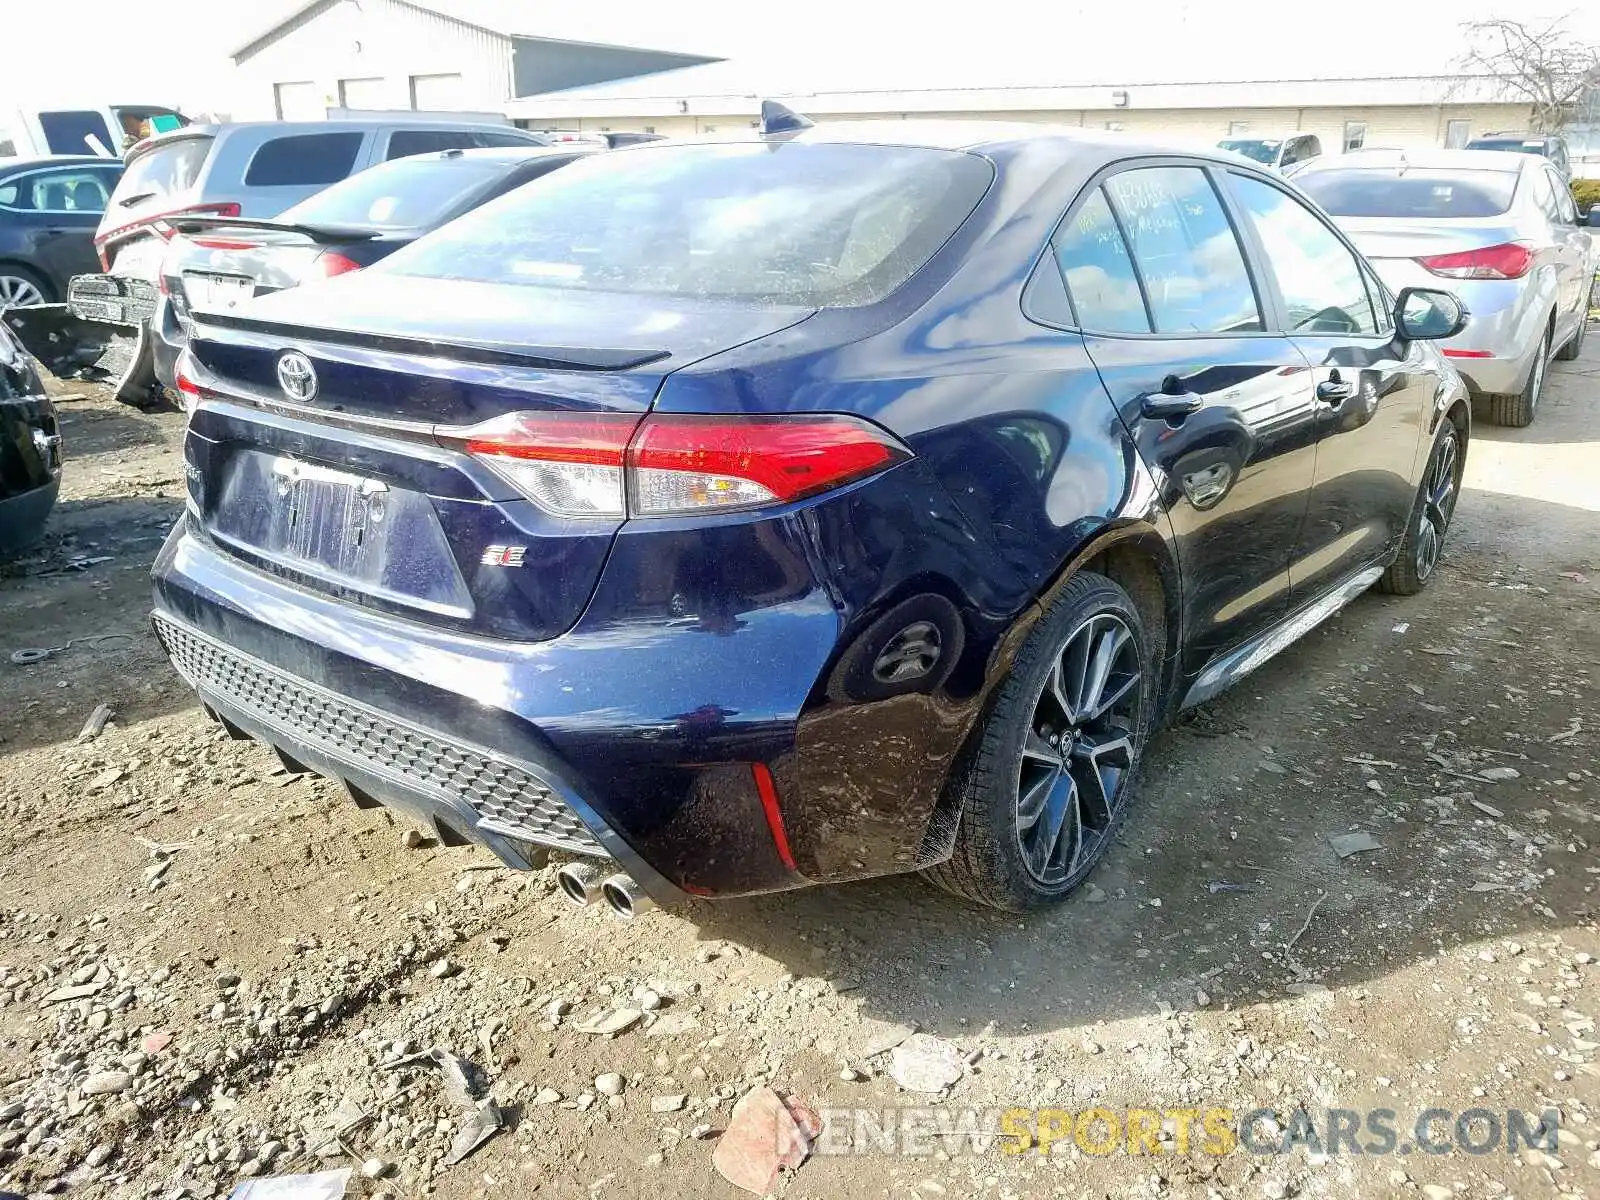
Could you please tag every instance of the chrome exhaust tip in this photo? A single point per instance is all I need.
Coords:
(626, 898)
(580, 883)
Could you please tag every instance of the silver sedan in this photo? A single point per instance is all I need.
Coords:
(1498, 229)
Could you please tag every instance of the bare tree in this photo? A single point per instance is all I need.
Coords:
(1542, 62)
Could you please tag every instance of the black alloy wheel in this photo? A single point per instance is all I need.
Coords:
(1079, 749)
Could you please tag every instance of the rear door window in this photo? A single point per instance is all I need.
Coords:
(304, 159)
(1324, 289)
(1188, 257)
(81, 189)
(68, 132)
(1099, 271)
(404, 142)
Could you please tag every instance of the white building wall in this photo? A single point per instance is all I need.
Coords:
(1389, 125)
(376, 50)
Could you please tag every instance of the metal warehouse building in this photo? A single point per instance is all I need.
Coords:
(395, 54)
(1433, 110)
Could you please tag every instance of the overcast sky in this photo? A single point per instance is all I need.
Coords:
(175, 51)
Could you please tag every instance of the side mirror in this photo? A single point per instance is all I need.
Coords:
(1427, 314)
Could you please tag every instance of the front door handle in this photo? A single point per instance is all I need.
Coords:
(1334, 392)
(1170, 406)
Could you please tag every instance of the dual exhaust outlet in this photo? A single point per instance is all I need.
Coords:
(583, 884)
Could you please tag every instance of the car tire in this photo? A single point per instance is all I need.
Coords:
(1575, 347)
(1429, 522)
(1042, 792)
(20, 286)
(1518, 411)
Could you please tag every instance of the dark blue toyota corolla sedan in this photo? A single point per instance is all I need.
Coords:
(745, 515)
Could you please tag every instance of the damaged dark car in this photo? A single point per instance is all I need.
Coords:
(30, 450)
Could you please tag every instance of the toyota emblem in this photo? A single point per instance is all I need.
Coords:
(297, 377)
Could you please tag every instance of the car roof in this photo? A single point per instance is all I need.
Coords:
(507, 155)
(338, 125)
(13, 166)
(973, 136)
(1426, 160)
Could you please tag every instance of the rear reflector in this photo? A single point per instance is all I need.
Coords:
(1509, 260)
(1453, 353)
(613, 465)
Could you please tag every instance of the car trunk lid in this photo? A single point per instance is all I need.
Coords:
(363, 486)
(1380, 238)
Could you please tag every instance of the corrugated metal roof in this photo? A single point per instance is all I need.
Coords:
(521, 19)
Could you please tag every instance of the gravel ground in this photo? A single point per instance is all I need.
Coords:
(212, 970)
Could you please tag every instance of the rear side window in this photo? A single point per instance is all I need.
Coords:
(164, 170)
(1189, 260)
(788, 223)
(430, 141)
(1410, 192)
(504, 139)
(304, 159)
(1321, 280)
(69, 132)
(1099, 272)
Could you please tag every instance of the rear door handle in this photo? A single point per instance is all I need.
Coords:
(1170, 406)
(1334, 392)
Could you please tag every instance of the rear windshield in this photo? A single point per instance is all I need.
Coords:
(164, 170)
(408, 193)
(1410, 192)
(1261, 151)
(793, 223)
(1519, 145)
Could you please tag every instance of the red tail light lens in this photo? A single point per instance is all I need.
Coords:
(692, 464)
(569, 464)
(1509, 260)
(610, 465)
(187, 388)
(330, 263)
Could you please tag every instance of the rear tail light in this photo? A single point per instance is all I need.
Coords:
(187, 388)
(157, 224)
(608, 465)
(1509, 260)
(330, 263)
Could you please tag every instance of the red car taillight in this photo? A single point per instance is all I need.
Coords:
(330, 263)
(185, 384)
(607, 465)
(1509, 260)
(156, 222)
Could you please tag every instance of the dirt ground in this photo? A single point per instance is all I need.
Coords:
(243, 953)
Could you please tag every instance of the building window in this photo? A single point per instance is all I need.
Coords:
(1457, 134)
(1355, 135)
(649, 128)
(1237, 128)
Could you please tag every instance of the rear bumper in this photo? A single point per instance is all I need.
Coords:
(510, 745)
(22, 518)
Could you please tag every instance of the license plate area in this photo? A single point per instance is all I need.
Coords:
(346, 530)
(204, 290)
